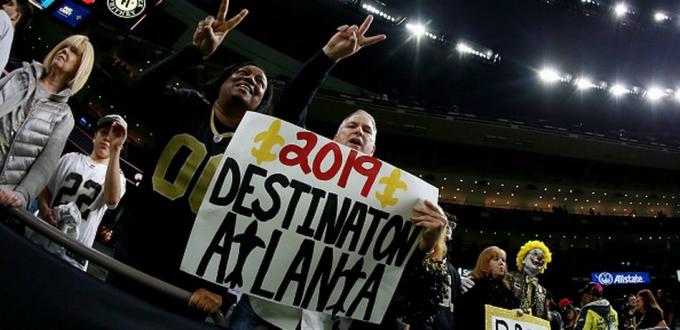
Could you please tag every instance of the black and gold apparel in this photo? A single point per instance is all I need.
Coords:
(189, 146)
(531, 295)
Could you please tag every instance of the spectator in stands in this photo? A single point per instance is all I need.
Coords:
(554, 315)
(489, 288)
(569, 313)
(449, 304)
(626, 319)
(204, 125)
(648, 314)
(665, 302)
(35, 119)
(596, 312)
(559, 210)
(446, 318)
(93, 182)
(12, 14)
(532, 259)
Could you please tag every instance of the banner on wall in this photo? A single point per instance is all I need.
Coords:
(607, 278)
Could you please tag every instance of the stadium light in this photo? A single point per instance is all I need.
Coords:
(661, 16)
(549, 75)
(463, 48)
(654, 94)
(618, 90)
(375, 11)
(620, 9)
(603, 86)
(381, 10)
(583, 83)
(676, 94)
(469, 48)
(590, 7)
(416, 28)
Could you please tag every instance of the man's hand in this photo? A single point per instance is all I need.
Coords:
(432, 219)
(205, 301)
(9, 198)
(210, 32)
(50, 215)
(466, 283)
(350, 39)
(105, 233)
(117, 136)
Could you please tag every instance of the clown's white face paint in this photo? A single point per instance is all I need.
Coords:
(534, 262)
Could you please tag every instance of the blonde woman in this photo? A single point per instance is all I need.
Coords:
(35, 119)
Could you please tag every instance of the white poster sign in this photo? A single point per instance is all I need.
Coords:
(504, 319)
(300, 220)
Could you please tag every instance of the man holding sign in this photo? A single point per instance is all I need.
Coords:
(296, 219)
(192, 136)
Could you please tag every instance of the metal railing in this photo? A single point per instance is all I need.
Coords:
(112, 265)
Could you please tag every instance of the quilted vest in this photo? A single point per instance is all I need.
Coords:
(33, 133)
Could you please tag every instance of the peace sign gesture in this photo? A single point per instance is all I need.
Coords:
(350, 39)
(210, 32)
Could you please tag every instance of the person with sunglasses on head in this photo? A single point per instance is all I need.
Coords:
(36, 120)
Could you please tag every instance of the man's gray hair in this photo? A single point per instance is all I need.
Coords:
(359, 112)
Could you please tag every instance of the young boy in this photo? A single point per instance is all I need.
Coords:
(93, 182)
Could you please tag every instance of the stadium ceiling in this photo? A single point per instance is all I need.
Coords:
(446, 68)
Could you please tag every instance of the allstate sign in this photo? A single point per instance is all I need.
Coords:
(606, 278)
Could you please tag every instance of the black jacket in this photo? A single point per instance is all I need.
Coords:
(487, 291)
(155, 228)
